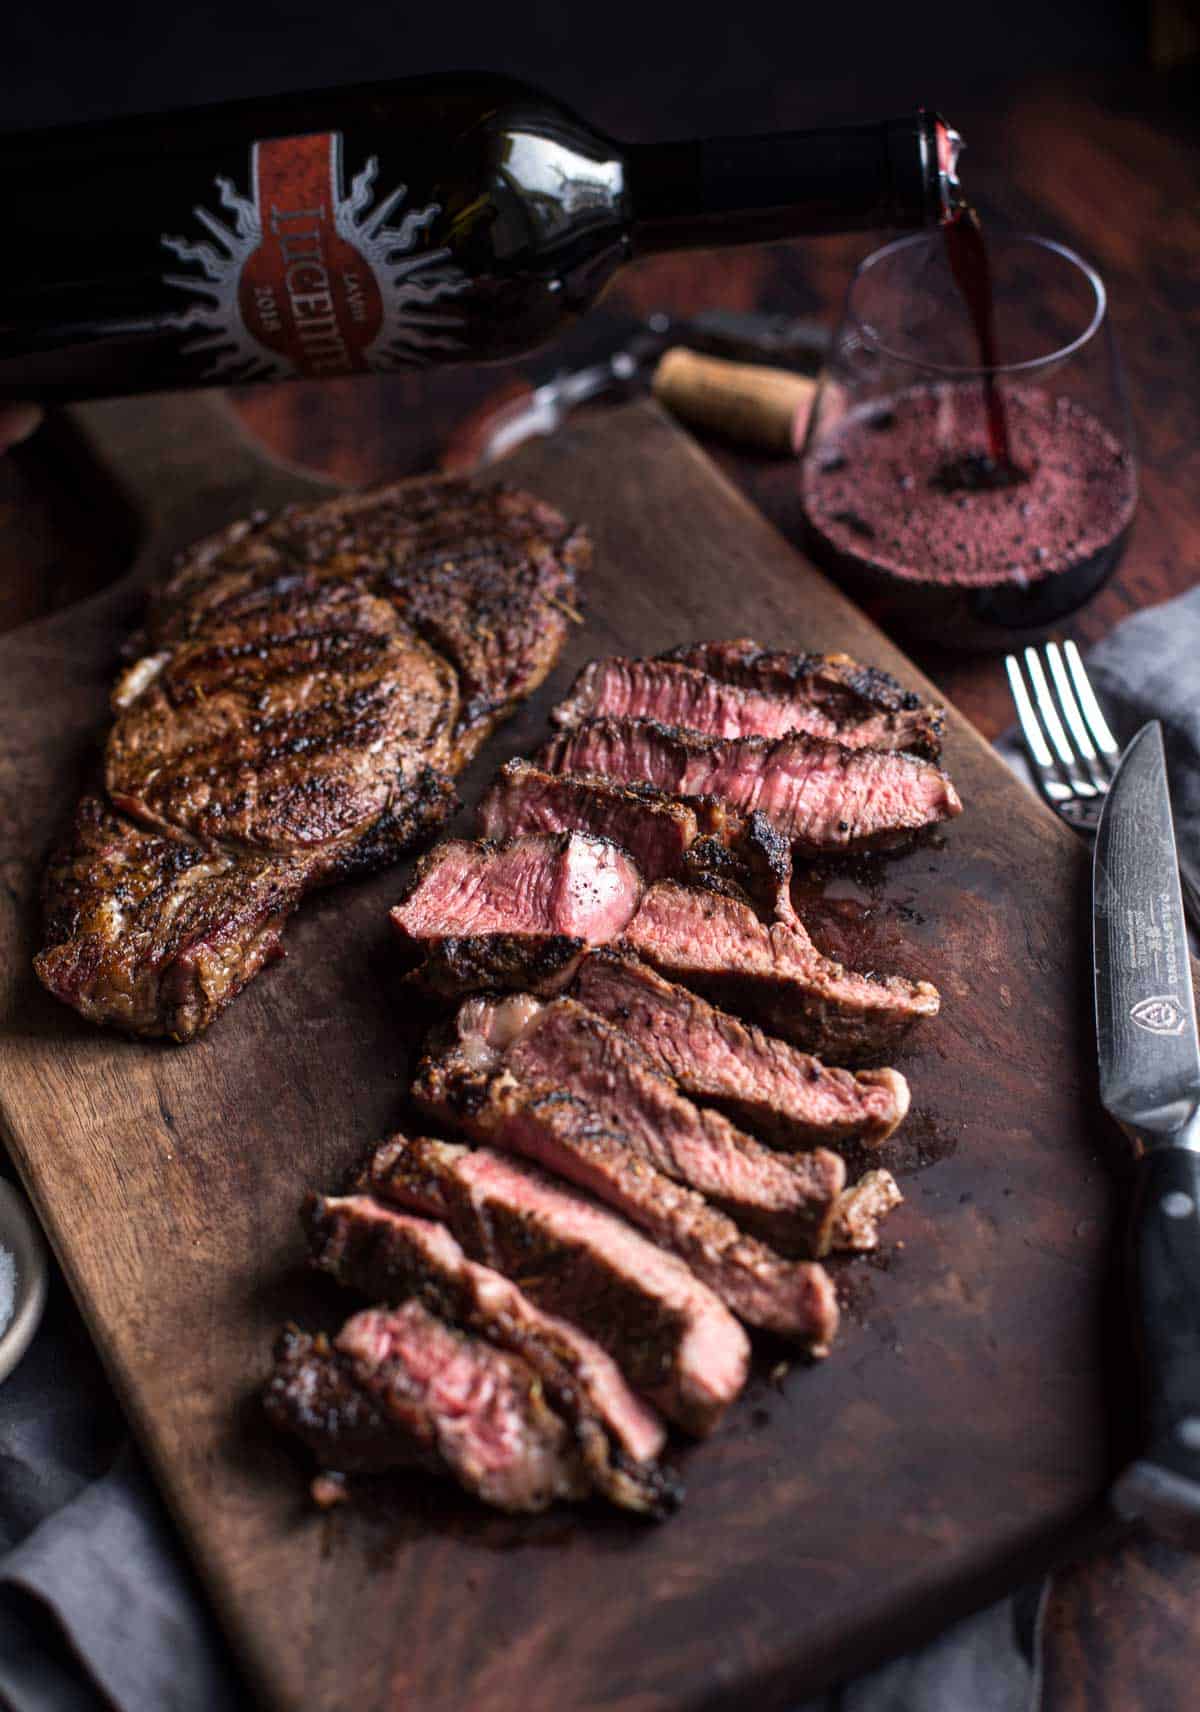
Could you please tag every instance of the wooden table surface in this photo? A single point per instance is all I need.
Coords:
(1113, 171)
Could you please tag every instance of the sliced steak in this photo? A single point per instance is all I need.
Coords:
(293, 732)
(515, 914)
(390, 1255)
(853, 704)
(774, 974)
(819, 795)
(486, 575)
(156, 936)
(399, 1388)
(655, 829)
(669, 1334)
(775, 1089)
(788, 1200)
(568, 1136)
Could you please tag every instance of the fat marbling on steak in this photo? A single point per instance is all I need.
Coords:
(309, 684)
(399, 1388)
(820, 795)
(390, 1255)
(775, 1089)
(514, 914)
(669, 1334)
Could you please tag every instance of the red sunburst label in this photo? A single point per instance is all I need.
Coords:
(312, 281)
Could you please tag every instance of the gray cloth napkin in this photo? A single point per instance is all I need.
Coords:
(98, 1609)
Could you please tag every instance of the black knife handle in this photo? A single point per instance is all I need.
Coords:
(1163, 1486)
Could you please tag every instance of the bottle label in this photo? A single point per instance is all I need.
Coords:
(307, 280)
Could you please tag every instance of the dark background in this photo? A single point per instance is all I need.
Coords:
(629, 65)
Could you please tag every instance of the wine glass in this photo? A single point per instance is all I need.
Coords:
(971, 504)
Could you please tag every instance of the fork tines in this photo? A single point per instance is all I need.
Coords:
(1072, 750)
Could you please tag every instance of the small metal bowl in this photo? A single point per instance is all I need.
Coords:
(19, 1234)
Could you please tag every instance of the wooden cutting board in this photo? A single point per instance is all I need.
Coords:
(953, 1444)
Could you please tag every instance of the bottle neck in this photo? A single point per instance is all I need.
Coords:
(750, 190)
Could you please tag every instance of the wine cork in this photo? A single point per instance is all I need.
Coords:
(761, 406)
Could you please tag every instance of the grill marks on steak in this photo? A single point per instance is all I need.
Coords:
(155, 935)
(487, 576)
(669, 1334)
(519, 913)
(292, 733)
(565, 1134)
(860, 706)
(390, 1255)
(315, 680)
(399, 1387)
(778, 1091)
(775, 974)
(820, 796)
(787, 1200)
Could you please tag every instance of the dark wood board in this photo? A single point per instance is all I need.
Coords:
(955, 1441)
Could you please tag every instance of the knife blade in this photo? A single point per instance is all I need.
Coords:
(1149, 1062)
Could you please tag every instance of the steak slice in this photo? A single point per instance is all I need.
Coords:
(668, 1333)
(776, 1090)
(398, 1388)
(485, 574)
(153, 935)
(515, 914)
(291, 731)
(390, 1255)
(787, 1200)
(859, 705)
(774, 974)
(655, 829)
(819, 795)
(558, 1130)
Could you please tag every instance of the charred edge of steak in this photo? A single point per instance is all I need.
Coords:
(804, 781)
(823, 700)
(311, 1394)
(562, 1132)
(673, 1339)
(864, 688)
(790, 1098)
(374, 1253)
(774, 974)
(787, 1200)
(155, 935)
(441, 1400)
(540, 963)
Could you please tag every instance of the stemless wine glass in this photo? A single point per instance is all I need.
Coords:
(903, 498)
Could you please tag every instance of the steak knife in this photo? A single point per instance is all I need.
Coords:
(1150, 1083)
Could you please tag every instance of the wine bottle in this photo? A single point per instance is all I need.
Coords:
(434, 220)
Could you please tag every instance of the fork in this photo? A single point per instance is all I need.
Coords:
(1071, 749)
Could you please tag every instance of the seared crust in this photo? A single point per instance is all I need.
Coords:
(291, 731)
(309, 684)
(486, 575)
(842, 687)
(155, 935)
